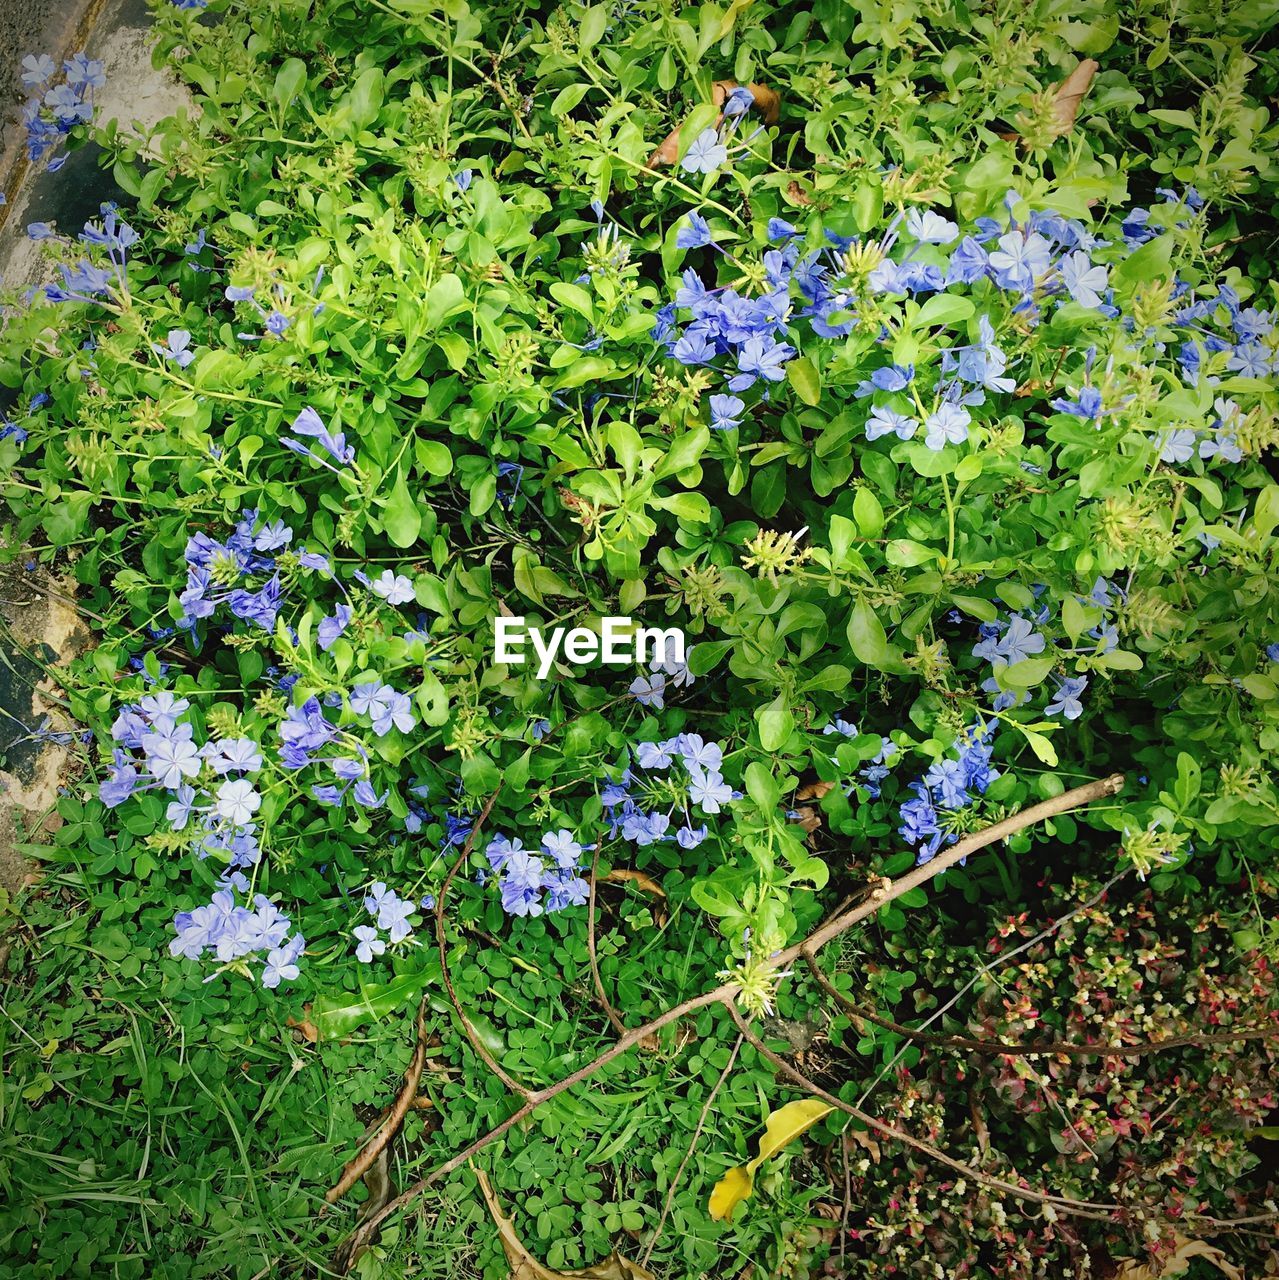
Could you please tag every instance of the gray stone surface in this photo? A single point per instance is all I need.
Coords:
(27, 26)
(40, 626)
(135, 94)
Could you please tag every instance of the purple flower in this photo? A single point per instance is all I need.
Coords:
(85, 73)
(281, 962)
(946, 425)
(708, 790)
(1084, 282)
(884, 421)
(1088, 406)
(36, 69)
(237, 801)
(930, 228)
(171, 759)
(706, 153)
(394, 712)
(394, 588)
(696, 234)
(725, 412)
(1178, 446)
(369, 942)
(177, 348)
(761, 356)
(332, 627)
(1019, 642)
(1065, 701)
(1020, 260)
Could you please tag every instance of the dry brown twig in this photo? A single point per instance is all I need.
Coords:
(360, 1164)
(613, 1016)
(442, 946)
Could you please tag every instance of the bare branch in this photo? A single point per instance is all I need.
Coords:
(613, 1016)
(442, 947)
(357, 1167)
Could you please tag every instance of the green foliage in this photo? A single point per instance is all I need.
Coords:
(408, 187)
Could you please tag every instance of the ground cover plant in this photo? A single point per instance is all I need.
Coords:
(917, 362)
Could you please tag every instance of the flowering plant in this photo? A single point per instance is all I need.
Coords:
(934, 408)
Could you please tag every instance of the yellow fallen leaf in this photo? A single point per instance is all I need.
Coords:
(782, 1127)
(786, 1124)
(734, 1187)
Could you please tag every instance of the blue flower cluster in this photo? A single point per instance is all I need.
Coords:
(662, 783)
(155, 726)
(1045, 259)
(211, 798)
(949, 786)
(532, 883)
(233, 933)
(308, 737)
(1007, 641)
(224, 573)
(53, 110)
(877, 768)
(391, 914)
(89, 280)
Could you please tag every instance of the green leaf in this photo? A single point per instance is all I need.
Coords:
(575, 297)
(868, 513)
(706, 655)
(626, 444)
(400, 517)
(338, 1015)
(867, 636)
(366, 97)
(445, 298)
(944, 308)
(1150, 262)
(1025, 674)
(289, 81)
(761, 786)
(684, 452)
(434, 458)
(564, 102)
(1042, 746)
(868, 204)
(775, 723)
(802, 374)
(594, 25)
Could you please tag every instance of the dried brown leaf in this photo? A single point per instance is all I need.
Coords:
(1179, 1263)
(625, 875)
(524, 1266)
(306, 1028)
(1071, 92)
(865, 1141)
(814, 791)
(797, 193)
(807, 818)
